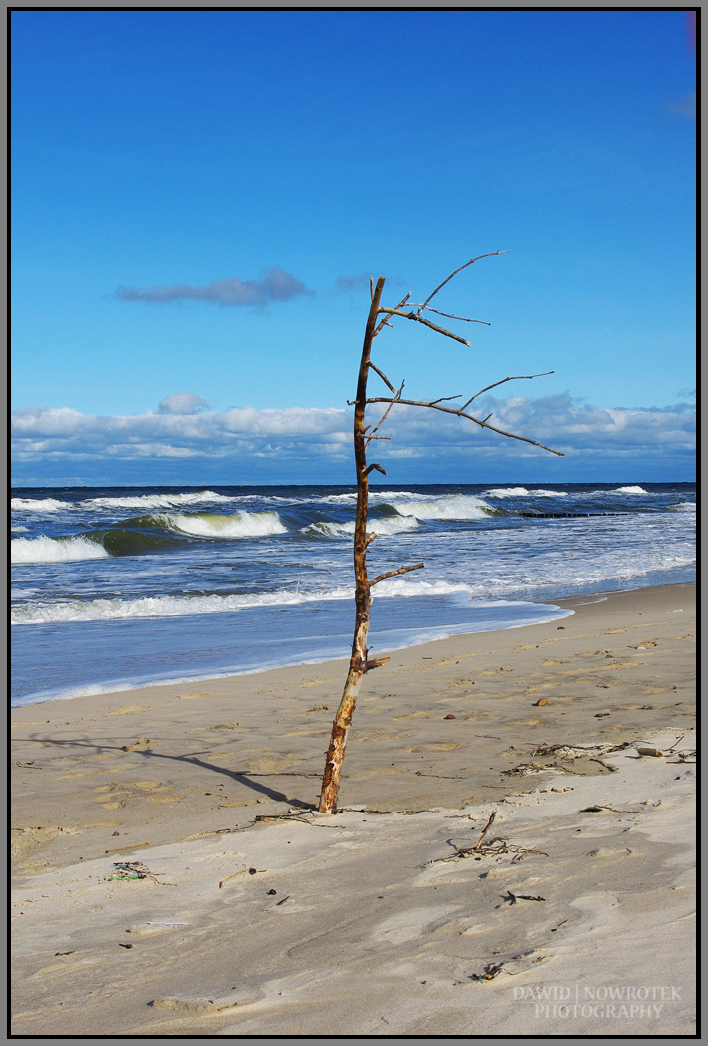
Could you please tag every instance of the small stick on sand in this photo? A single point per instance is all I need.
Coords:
(488, 825)
(231, 877)
(135, 846)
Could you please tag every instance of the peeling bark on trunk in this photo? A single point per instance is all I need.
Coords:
(358, 664)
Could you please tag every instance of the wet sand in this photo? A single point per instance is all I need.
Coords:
(175, 777)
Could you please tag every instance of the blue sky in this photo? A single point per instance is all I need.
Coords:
(196, 192)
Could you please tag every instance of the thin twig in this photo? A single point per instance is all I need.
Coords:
(461, 414)
(393, 573)
(489, 850)
(384, 321)
(488, 825)
(395, 399)
(517, 377)
(221, 884)
(470, 262)
(381, 375)
(416, 316)
(465, 319)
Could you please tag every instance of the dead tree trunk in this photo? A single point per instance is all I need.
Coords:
(359, 663)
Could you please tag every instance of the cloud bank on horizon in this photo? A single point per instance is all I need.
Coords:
(274, 285)
(282, 445)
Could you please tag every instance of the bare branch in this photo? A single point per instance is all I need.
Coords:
(487, 417)
(371, 286)
(384, 321)
(517, 377)
(394, 573)
(443, 398)
(381, 375)
(461, 414)
(470, 262)
(372, 467)
(369, 539)
(417, 305)
(386, 414)
(415, 316)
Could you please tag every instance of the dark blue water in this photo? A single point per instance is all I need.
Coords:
(118, 587)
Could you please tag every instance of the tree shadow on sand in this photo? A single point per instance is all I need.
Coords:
(244, 777)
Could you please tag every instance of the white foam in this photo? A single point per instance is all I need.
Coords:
(454, 506)
(385, 527)
(42, 505)
(54, 550)
(152, 501)
(179, 606)
(238, 525)
(165, 606)
(519, 492)
(398, 586)
(630, 490)
(19, 530)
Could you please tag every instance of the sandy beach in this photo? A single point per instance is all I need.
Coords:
(249, 914)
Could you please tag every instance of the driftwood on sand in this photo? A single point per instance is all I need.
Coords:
(364, 434)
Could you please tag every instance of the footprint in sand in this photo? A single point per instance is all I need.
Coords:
(116, 796)
(137, 746)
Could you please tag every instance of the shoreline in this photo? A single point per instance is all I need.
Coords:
(184, 780)
(417, 637)
(123, 686)
(277, 723)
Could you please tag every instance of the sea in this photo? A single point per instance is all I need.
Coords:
(116, 588)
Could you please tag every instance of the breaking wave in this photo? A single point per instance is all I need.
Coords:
(455, 506)
(157, 501)
(38, 505)
(238, 525)
(54, 550)
(384, 527)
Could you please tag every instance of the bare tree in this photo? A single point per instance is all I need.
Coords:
(360, 664)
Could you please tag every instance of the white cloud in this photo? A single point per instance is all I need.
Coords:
(182, 403)
(315, 445)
